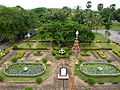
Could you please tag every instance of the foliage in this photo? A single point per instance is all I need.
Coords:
(1, 78)
(14, 23)
(85, 53)
(28, 88)
(117, 53)
(44, 61)
(14, 59)
(39, 80)
(91, 81)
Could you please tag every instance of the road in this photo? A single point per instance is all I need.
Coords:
(115, 35)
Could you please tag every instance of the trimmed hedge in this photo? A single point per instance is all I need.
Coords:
(39, 80)
(117, 53)
(30, 49)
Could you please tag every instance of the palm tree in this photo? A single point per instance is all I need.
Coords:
(100, 7)
(88, 5)
(112, 6)
(89, 14)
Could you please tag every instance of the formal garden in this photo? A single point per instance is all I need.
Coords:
(51, 37)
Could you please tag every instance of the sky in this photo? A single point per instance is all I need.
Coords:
(29, 4)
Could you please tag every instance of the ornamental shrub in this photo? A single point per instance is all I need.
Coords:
(14, 59)
(28, 88)
(39, 80)
(1, 78)
(91, 81)
(44, 61)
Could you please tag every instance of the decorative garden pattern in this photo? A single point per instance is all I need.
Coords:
(99, 69)
(25, 69)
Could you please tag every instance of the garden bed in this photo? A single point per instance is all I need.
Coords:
(24, 69)
(99, 69)
(31, 46)
(58, 55)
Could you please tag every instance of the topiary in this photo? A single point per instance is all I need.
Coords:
(44, 61)
(14, 59)
(1, 78)
(15, 46)
(39, 80)
(91, 81)
(28, 88)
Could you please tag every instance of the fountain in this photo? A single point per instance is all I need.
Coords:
(25, 69)
(61, 51)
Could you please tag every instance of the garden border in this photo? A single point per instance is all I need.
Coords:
(23, 75)
(99, 74)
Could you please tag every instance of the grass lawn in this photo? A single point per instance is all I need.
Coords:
(99, 38)
(116, 26)
(33, 45)
(97, 79)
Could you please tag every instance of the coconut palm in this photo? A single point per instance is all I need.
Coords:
(88, 5)
(100, 7)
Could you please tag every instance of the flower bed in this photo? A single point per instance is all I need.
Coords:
(101, 54)
(117, 53)
(99, 69)
(4, 52)
(24, 69)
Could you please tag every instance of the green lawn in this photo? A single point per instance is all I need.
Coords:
(33, 45)
(99, 38)
(116, 26)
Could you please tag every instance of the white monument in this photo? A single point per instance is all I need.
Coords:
(63, 74)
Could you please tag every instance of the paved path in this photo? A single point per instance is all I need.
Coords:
(8, 56)
(115, 36)
(113, 57)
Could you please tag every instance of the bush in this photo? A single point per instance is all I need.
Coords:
(101, 83)
(1, 78)
(28, 88)
(44, 61)
(20, 54)
(14, 59)
(115, 82)
(109, 61)
(37, 53)
(39, 80)
(15, 46)
(91, 81)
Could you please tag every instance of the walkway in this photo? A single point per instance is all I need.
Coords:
(8, 56)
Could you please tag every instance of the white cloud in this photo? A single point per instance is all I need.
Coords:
(28, 4)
